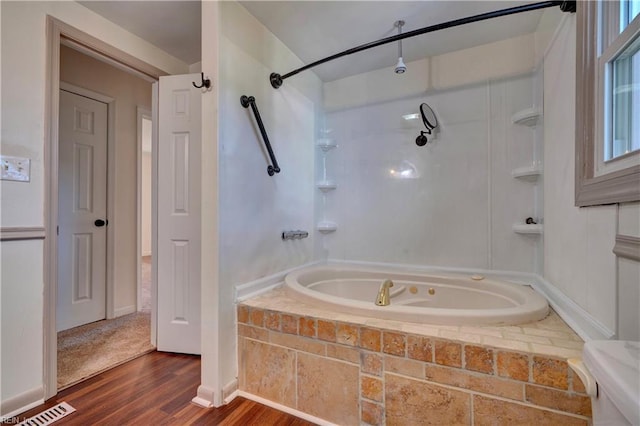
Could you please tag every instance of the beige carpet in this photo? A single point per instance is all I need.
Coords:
(90, 349)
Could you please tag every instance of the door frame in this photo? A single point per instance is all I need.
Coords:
(141, 113)
(110, 190)
(57, 31)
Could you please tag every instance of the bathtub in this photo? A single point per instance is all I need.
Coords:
(430, 298)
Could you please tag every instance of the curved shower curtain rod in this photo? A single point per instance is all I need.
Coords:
(566, 6)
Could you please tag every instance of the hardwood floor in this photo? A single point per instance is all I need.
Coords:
(156, 389)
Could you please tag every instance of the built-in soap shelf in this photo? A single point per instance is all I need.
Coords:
(529, 173)
(527, 117)
(533, 229)
(326, 227)
(326, 144)
(326, 185)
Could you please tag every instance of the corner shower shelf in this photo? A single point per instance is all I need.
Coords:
(527, 117)
(326, 186)
(326, 227)
(530, 173)
(527, 229)
(326, 144)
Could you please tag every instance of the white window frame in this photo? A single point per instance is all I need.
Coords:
(610, 43)
(598, 182)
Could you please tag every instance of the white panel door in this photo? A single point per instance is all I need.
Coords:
(82, 211)
(178, 254)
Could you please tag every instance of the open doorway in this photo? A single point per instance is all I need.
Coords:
(60, 34)
(103, 316)
(145, 246)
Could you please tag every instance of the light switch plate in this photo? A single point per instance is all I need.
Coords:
(15, 168)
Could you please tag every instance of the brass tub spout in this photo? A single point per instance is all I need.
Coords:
(383, 298)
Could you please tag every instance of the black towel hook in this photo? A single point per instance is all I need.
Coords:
(205, 82)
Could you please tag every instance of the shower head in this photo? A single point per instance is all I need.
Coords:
(400, 66)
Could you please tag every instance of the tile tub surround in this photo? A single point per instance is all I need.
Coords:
(354, 370)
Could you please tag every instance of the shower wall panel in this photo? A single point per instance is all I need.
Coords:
(451, 203)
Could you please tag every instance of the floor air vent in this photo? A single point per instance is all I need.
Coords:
(49, 416)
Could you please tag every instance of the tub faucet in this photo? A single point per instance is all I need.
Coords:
(383, 298)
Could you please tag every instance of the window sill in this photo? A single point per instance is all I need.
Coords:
(616, 187)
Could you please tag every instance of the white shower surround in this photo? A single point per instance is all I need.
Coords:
(460, 204)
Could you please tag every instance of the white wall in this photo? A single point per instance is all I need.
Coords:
(629, 276)
(460, 209)
(211, 330)
(254, 207)
(578, 242)
(23, 69)
(146, 205)
(129, 93)
(23, 124)
(501, 59)
(21, 322)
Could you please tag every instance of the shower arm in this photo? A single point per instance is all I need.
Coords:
(566, 6)
(400, 24)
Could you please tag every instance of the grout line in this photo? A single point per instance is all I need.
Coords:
(471, 409)
(295, 375)
(489, 181)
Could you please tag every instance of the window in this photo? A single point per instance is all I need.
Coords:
(629, 9)
(625, 132)
(608, 102)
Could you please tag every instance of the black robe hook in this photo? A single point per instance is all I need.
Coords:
(205, 82)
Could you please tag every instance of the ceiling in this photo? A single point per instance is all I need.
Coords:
(316, 29)
(173, 26)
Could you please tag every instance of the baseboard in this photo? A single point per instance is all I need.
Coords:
(285, 409)
(21, 403)
(254, 288)
(229, 391)
(231, 397)
(126, 310)
(205, 397)
(583, 323)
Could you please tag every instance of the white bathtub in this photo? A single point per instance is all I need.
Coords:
(456, 300)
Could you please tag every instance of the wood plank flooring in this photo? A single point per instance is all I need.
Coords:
(156, 389)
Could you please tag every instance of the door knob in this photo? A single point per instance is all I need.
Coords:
(100, 222)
